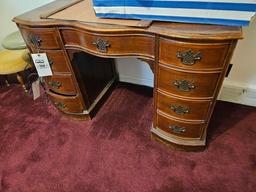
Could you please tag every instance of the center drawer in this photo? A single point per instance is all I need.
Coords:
(111, 44)
(188, 84)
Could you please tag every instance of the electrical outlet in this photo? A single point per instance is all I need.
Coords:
(229, 69)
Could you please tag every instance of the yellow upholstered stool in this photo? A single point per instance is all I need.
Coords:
(14, 62)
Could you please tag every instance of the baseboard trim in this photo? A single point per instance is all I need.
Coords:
(136, 80)
(240, 93)
(231, 91)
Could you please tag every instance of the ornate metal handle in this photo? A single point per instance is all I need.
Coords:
(184, 85)
(180, 110)
(35, 39)
(102, 45)
(177, 129)
(55, 84)
(189, 57)
(60, 105)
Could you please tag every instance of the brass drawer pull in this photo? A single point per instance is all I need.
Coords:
(35, 40)
(180, 110)
(189, 57)
(60, 105)
(102, 45)
(184, 85)
(55, 84)
(177, 129)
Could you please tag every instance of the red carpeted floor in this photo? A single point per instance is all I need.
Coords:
(43, 151)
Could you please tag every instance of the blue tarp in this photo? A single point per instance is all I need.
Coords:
(223, 12)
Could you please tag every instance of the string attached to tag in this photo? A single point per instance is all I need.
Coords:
(45, 95)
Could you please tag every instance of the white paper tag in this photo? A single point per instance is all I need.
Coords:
(36, 89)
(42, 64)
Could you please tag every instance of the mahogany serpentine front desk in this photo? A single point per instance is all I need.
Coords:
(189, 62)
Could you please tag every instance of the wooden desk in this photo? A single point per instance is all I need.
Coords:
(189, 62)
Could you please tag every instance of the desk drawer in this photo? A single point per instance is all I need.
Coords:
(186, 83)
(41, 38)
(192, 55)
(179, 128)
(58, 61)
(62, 84)
(111, 44)
(182, 108)
(70, 104)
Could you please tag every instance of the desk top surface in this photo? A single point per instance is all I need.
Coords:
(59, 13)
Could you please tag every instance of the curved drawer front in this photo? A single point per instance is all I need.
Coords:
(186, 83)
(184, 109)
(192, 55)
(62, 84)
(41, 38)
(111, 45)
(58, 61)
(180, 129)
(67, 104)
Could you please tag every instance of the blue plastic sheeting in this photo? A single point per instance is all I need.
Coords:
(222, 12)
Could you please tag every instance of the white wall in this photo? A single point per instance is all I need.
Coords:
(239, 87)
(135, 71)
(243, 72)
(12, 8)
(244, 59)
(242, 76)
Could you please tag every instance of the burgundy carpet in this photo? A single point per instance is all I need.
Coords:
(42, 151)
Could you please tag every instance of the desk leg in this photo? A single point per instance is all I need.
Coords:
(6, 81)
(21, 81)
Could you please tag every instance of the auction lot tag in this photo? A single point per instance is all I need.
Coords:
(42, 64)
